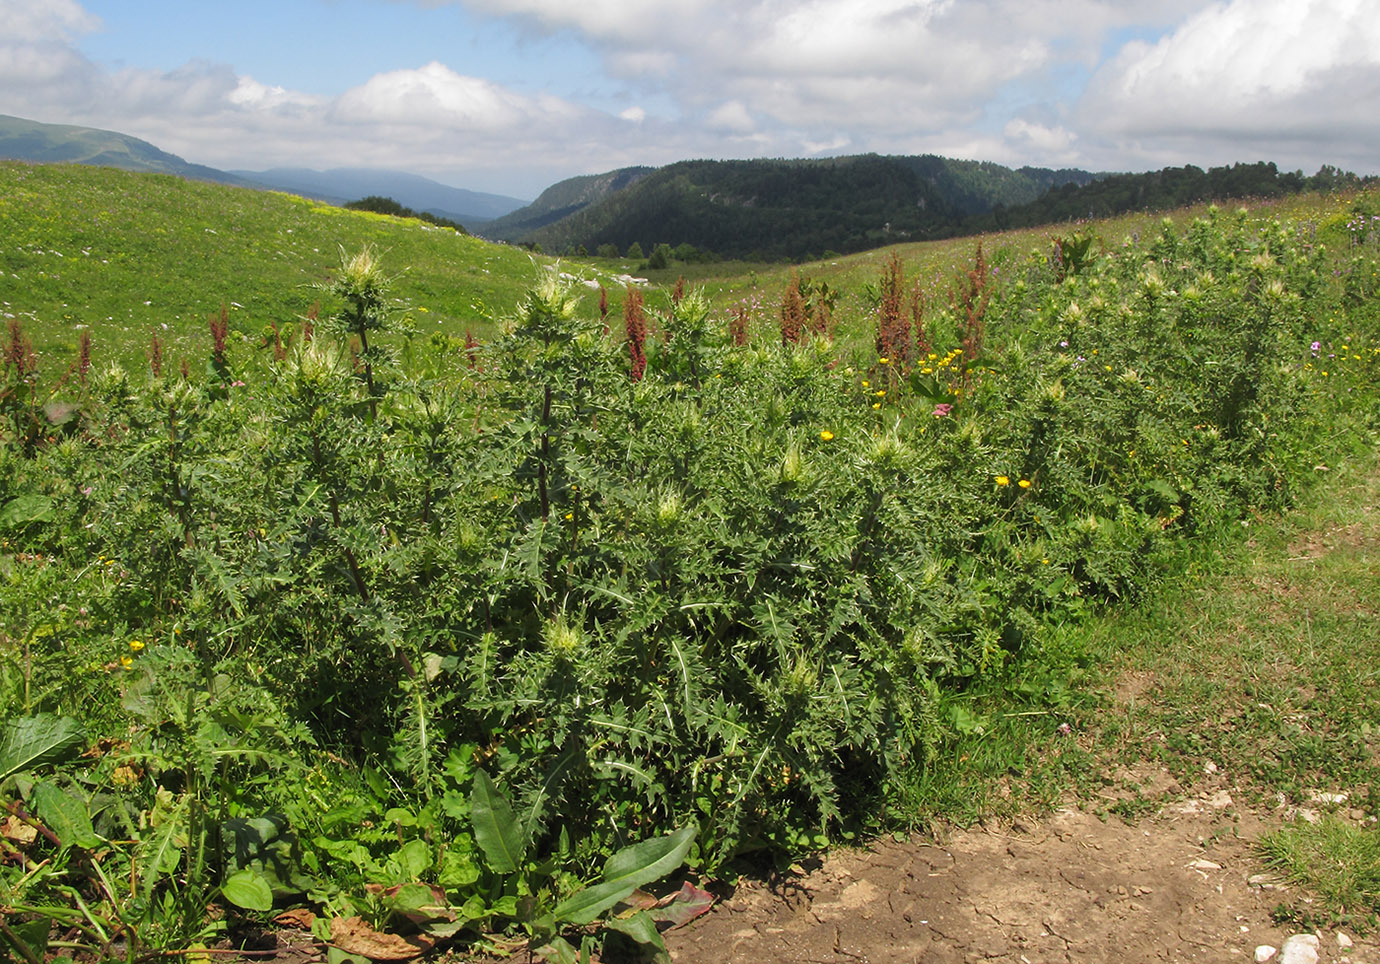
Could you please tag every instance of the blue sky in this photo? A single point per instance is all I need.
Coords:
(513, 95)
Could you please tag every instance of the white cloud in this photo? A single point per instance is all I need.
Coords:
(731, 117)
(435, 94)
(1268, 75)
(1046, 145)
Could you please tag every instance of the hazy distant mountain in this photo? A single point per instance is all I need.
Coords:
(27, 140)
(344, 184)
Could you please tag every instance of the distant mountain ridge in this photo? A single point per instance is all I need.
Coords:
(561, 200)
(39, 143)
(27, 140)
(343, 184)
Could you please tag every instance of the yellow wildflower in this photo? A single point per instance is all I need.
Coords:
(826, 435)
(136, 645)
(1024, 483)
(1003, 480)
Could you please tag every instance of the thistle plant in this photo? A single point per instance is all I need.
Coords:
(363, 287)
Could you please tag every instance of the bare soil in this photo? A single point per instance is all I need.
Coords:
(1182, 885)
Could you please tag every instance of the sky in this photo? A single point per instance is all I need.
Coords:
(510, 96)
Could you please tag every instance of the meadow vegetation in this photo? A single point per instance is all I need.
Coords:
(470, 639)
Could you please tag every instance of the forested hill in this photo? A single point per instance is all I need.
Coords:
(1161, 190)
(798, 210)
(781, 209)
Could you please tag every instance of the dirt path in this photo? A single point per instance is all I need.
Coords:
(1071, 888)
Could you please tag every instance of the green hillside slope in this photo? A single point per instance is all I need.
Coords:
(127, 255)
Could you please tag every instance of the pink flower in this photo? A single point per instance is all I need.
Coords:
(942, 409)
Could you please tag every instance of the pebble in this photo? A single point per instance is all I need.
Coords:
(1205, 865)
(1343, 941)
(1300, 949)
(1264, 952)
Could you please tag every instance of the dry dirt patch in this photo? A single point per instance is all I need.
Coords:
(1074, 887)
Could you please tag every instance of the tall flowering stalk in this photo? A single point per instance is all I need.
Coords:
(738, 324)
(635, 325)
(893, 341)
(156, 356)
(220, 328)
(969, 303)
(793, 313)
(84, 356)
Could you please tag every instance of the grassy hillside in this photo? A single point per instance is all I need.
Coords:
(127, 255)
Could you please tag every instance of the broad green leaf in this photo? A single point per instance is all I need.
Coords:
(497, 831)
(33, 741)
(248, 889)
(626, 871)
(642, 929)
(414, 858)
(25, 509)
(65, 815)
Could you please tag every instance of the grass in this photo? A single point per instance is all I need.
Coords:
(1334, 859)
(127, 255)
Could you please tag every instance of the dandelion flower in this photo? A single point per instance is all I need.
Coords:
(135, 645)
(826, 435)
(884, 361)
(1003, 480)
(876, 404)
(1024, 483)
(126, 662)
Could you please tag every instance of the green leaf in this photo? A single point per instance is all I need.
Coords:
(642, 929)
(414, 858)
(248, 889)
(65, 815)
(34, 741)
(497, 831)
(30, 940)
(26, 509)
(626, 871)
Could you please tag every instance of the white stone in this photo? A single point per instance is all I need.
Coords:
(1264, 952)
(1343, 941)
(1205, 865)
(1300, 949)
